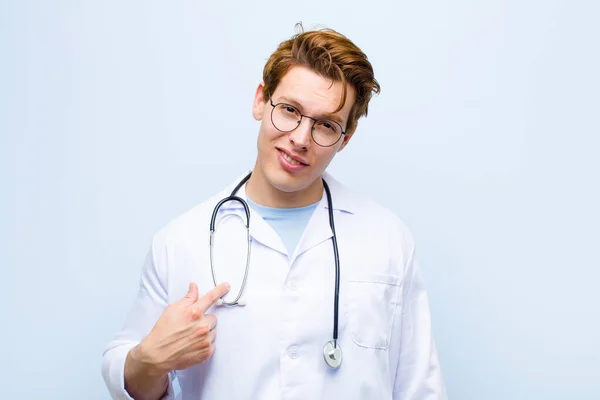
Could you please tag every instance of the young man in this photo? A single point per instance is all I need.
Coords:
(333, 304)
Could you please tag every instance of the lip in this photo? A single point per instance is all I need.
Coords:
(288, 166)
(293, 157)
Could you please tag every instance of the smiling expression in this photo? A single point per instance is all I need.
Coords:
(289, 163)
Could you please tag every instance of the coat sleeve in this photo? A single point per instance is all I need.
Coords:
(150, 302)
(418, 376)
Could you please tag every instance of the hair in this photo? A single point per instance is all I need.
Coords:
(331, 55)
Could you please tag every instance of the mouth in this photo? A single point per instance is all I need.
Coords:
(293, 160)
(292, 164)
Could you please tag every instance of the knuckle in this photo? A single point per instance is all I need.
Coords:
(194, 314)
(210, 320)
(205, 341)
(211, 350)
(210, 338)
(202, 331)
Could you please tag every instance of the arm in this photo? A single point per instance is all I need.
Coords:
(159, 338)
(418, 376)
(125, 367)
(142, 380)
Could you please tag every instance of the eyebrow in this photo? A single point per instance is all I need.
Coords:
(296, 104)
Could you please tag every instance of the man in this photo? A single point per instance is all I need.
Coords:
(377, 336)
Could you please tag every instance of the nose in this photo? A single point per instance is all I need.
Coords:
(301, 137)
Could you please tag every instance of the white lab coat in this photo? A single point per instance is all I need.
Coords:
(273, 347)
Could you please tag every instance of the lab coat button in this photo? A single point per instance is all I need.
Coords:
(293, 287)
(293, 352)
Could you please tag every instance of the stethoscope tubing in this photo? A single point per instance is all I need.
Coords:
(213, 219)
(244, 204)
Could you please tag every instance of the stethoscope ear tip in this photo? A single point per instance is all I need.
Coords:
(242, 302)
(219, 302)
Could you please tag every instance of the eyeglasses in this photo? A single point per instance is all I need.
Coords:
(286, 118)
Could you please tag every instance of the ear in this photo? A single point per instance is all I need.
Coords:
(345, 140)
(259, 103)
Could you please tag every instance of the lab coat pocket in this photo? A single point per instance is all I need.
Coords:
(373, 300)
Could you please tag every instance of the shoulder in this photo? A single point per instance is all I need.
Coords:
(370, 214)
(375, 239)
(371, 224)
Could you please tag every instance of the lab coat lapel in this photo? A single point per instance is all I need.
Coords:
(318, 230)
(262, 232)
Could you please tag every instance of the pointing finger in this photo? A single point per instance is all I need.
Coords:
(210, 298)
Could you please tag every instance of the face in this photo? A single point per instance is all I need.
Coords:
(314, 96)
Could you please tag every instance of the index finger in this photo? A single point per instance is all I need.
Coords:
(211, 297)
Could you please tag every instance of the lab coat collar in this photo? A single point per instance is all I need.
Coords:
(342, 198)
(317, 230)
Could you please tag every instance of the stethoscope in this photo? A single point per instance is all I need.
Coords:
(332, 353)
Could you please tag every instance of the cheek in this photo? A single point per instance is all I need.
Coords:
(265, 132)
(267, 137)
(326, 155)
(272, 136)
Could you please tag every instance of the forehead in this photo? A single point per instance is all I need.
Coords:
(314, 93)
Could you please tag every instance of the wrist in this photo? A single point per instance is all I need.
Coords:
(143, 380)
(143, 362)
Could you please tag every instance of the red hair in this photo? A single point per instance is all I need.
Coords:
(331, 55)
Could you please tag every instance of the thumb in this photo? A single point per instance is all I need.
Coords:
(192, 295)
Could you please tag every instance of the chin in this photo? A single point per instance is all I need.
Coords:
(284, 182)
(287, 182)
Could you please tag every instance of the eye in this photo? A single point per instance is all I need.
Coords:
(288, 109)
(330, 125)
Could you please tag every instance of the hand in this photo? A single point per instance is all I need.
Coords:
(183, 335)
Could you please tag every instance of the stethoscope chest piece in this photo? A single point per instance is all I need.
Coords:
(332, 353)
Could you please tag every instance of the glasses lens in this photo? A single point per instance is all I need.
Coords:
(285, 117)
(326, 132)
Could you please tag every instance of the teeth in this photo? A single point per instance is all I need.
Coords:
(290, 159)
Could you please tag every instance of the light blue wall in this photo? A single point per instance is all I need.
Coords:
(116, 116)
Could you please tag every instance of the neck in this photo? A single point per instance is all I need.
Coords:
(262, 192)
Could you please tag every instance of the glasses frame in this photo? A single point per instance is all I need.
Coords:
(312, 129)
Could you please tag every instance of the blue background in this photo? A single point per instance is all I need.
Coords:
(116, 116)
